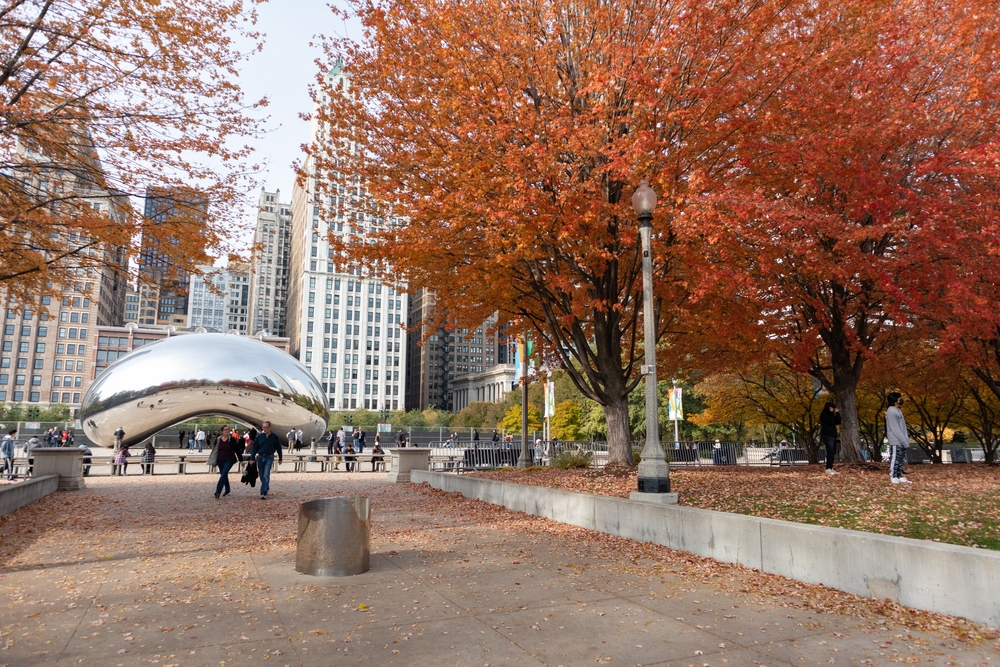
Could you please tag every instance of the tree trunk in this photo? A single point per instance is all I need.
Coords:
(619, 436)
(845, 389)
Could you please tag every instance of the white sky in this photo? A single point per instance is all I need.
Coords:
(283, 72)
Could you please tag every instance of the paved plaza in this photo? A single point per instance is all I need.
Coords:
(155, 571)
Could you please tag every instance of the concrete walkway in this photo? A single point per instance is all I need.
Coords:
(136, 571)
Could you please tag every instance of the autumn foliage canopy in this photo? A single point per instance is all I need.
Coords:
(100, 99)
(815, 163)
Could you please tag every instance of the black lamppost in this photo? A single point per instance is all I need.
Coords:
(654, 471)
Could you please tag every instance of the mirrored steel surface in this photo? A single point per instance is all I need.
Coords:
(187, 376)
(334, 536)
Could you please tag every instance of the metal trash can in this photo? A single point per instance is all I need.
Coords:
(334, 536)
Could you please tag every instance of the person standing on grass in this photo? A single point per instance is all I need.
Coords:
(829, 420)
(264, 449)
(7, 450)
(899, 438)
(226, 452)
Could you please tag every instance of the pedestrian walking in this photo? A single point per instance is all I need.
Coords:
(539, 452)
(119, 436)
(298, 439)
(899, 438)
(200, 438)
(265, 447)
(226, 452)
(330, 437)
(148, 458)
(496, 439)
(829, 420)
(290, 437)
(121, 459)
(180, 438)
(191, 437)
(7, 451)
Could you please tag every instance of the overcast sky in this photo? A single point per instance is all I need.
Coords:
(283, 72)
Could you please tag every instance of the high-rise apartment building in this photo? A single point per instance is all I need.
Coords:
(437, 361)
(346, 327)
(219, 299)
(269, 268)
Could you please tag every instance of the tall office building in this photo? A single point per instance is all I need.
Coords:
(47, 357)
(346, 327)
(163, 284)
(269, 267)
(219, 299)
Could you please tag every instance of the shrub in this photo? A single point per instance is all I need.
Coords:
(572, 459)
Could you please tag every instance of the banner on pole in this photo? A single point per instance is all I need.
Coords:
(675, 404)
(550, 399)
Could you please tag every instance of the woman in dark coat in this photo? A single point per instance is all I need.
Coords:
(226, 452)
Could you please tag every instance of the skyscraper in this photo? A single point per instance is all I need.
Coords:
(440, 359)
(46, 349)
(164, 282)
(219, 299)
(269, 267)
(346, 327)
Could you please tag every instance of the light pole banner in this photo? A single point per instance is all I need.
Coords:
(550, 399)
(674, 404)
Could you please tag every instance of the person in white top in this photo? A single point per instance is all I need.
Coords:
(200, 438)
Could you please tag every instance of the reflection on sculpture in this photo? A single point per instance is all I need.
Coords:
(182, 377)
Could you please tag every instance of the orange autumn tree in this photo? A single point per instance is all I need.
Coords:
(857, 184)
(499, 142)
(100, 99)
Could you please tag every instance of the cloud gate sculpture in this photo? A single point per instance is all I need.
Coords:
(190, 375)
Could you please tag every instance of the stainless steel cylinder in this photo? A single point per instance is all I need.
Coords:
(334, 536)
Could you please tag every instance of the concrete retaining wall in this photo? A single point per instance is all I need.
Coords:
(13, 496)
(954, 580)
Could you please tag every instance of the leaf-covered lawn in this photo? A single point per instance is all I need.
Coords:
(958, 504)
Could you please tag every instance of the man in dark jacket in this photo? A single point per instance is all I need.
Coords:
(829, 420)
(265, 446)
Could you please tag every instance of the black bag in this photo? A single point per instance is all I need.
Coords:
(250, 474)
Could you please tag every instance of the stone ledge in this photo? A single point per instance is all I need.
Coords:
(945, 578)
(15, 496)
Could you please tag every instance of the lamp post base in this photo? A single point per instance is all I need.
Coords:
(654, 484)
(658, 498)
